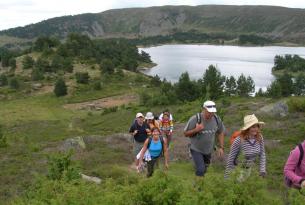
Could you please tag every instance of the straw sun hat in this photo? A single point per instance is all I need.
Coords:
(250, 120)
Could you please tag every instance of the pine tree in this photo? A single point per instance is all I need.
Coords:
(27, 62)
(245, 86)
(215, 80)
(230, 86)
(60, 88)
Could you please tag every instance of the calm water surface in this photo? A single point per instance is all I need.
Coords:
(257, 62)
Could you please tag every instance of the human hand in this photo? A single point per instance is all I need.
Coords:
(199, 127)
(220, 152)
(135, 132)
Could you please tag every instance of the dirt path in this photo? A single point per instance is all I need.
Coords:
(103, 103)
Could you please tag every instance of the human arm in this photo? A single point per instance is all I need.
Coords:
(262, 159)
(192, 127)
(132, 130)
(165, 152)
(171, 126)
(291, 166)
(143, 150)
(234, 151)
(221, 137)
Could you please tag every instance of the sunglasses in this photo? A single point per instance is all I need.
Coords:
(210, 106)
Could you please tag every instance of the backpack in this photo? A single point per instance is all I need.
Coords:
(234, 135)
(162, 144)
(198, 119)
(288, 182)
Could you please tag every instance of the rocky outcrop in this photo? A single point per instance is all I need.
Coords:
(279, 109)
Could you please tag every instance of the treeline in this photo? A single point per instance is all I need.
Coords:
(212, 85)
(195, 37)
(285, 85)
(184, 37)
(253, 40)
(290, 63)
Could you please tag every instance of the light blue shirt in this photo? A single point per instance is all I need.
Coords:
(155, 148)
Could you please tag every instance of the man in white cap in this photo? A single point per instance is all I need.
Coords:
(139, 130)
(202, 129)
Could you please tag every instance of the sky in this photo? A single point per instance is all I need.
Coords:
(14, 13)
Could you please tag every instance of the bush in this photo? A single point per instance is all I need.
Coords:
(110, 110)
(60, 167)
(37, 75)
(14, 83)
(97, 85)
(82, 78)
(60, 88)
(3, 80)
(296, 104)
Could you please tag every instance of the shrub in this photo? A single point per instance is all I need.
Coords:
(3, 80)
(97, 85)
(60, 88)
(14, 83)
(296, 104)
(61, 167)
(82, 78)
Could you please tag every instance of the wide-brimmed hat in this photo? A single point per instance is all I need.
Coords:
(210, 106)
(249, 121)
(149, 116)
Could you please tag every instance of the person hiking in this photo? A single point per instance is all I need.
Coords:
(150, 120)
(138, 130)
(294, 170)
(250, 143)
(166, 111)
(156, 145)
(202, 130)
(167, 126)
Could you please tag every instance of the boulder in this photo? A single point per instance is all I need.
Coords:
(279, 109)
(36, 86)
(76, 143)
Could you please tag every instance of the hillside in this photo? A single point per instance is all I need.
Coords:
(104, 91)
(277, 23)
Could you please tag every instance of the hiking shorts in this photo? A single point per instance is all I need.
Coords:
(137, 146)
(201, 161)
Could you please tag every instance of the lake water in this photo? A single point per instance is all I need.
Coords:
(257, 62)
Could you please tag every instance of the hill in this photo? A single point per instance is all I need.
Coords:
(276, 23)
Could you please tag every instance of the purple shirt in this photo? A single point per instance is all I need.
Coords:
(291, 171)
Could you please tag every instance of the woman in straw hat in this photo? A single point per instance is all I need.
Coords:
(251, 144)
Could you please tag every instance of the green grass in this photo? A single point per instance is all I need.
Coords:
(36, 126)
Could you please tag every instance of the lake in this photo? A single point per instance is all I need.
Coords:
(257, 62)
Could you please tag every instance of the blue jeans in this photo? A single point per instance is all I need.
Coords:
(201, 161)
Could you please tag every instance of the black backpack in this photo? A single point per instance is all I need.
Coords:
(162, 143)
(198, 118)
(288, 182)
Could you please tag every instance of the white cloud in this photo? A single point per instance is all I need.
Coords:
(22, 12)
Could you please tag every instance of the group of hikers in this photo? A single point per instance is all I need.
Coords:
(152, 137)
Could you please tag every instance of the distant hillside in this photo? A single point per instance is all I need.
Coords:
(277, 23)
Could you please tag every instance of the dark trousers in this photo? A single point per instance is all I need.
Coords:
(150, 166)
(201, 161)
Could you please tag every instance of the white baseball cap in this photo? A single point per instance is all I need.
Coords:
(210, 106)
(139, 115)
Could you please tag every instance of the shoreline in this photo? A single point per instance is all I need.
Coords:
(280, 44)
